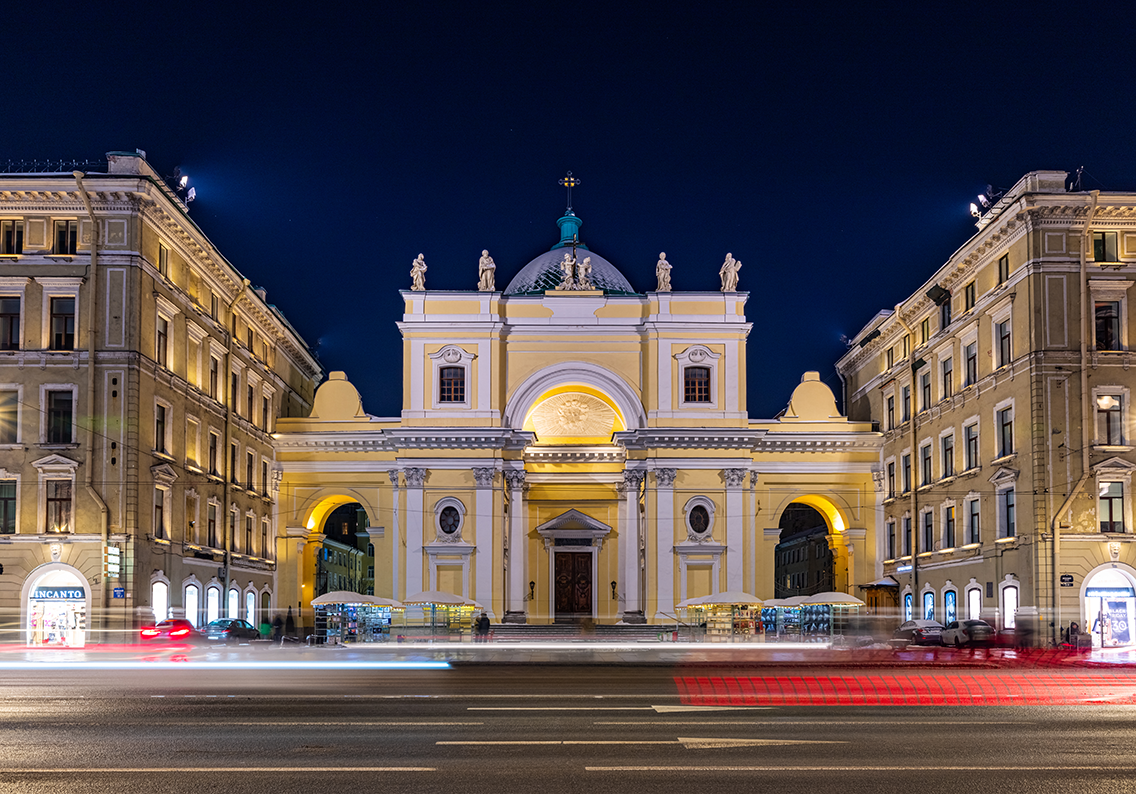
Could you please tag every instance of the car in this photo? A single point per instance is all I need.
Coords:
(919, 632)
(173, 631)
(968, 632)
(230, 630)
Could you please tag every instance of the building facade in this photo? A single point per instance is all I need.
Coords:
(569, 448)
(1002, 388)
(140, 379)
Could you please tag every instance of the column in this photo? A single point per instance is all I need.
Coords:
(664, 543)
(517, 559)
(396, 537)
(751, 537)
(629, 548)
(415, 479)
(483, 512)
(735, 478)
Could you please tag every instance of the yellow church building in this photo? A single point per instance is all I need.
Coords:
(569, 448)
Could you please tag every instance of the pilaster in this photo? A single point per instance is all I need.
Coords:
(517, 559)
(415, 479)
(734, 478)
(629, 548)
(664, 544)
(483, 562)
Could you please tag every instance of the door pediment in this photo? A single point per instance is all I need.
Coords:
(576, 525)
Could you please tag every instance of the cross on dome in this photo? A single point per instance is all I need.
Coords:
(569, 182)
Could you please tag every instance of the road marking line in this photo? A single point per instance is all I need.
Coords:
(669, 709)
(212, 769)
(559, 708)
(921, 768)
(806, 722)
(688, 742)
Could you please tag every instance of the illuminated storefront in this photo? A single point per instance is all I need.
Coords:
(1110, 601)
(57, 602)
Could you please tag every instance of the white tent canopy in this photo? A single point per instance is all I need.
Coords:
(346, 597)
(834, 599)
(438, 598)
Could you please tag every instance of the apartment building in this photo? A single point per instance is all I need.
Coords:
(141, 376)
(1002, 387)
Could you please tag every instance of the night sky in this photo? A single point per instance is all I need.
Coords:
(833, 149)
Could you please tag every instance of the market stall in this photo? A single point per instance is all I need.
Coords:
(732, 616)
(437, 615)
(344, 617)
(827, 615)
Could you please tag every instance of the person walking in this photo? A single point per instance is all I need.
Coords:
(483, 628)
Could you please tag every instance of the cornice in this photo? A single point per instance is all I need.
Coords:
(399, 439)
(862, 441)
(689, 438)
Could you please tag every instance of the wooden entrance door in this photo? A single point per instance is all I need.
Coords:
(573, 585)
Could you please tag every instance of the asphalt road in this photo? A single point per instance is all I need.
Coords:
(546, 729)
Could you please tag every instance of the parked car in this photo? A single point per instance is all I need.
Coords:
(919, 632)
(968, 632)
(230, 630)
(172, 631)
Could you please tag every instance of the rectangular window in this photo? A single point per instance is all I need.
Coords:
(233, 527)
(214, 365)
(1104, 247)
(1110, 507)
(948, 371)
(891, 479)
(890, 411)
(9, 417)
(969, 295)
(214, 305)
(7, 507)
(264, 411)
(451, 387)
(163, 260)
(9, 323)
(250, 465)
(890, 357)
(264, 478)
(973, 524)
(925, 465)
(971, 437)
(928, 538)
(163, 341)
(906, 535)
(214, 440)
(264, 539)
(1009, 520)
(905, 404)
(1002, 334)
(160, 428)
(59, 417)
(233, 462)
(211, 526)
(949, 527)
(234, 391)
(248, 535)
(948, 457)
(1004, 269)
(1005, 432)
(250, 403)
(971, 364)
(925, 390)
(1110, 428)
(1108, 325)
(944, 314)
(906, 346)
(58, 502)
(906, 473)
(891, 540)
(62, 323)
(250, 338)
(11, 237)
(66, 237)
(696, 384)
(924, 330)
(159, 513)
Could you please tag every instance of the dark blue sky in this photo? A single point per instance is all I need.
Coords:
(833, 149)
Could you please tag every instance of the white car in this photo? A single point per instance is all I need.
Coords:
(967, 632)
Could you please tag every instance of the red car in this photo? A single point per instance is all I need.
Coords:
(176, 631)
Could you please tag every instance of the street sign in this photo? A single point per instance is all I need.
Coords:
(1066, 580)
(120, 592)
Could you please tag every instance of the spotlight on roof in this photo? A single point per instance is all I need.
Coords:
(974, 210)
(985, 202)
(183, 181)
(191, 195)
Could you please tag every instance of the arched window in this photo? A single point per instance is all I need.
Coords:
(974, 604)
(250, 607)
(928, 606)
(1009, 606)
(192, 604)
(950, 606)
(160, 600)
(907, 607)
(234, 605)
(212, 604)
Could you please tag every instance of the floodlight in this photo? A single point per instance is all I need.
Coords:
(974, 210)
(183, 181)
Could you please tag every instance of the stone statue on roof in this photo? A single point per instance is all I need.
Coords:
(584, 274)
(729, 274)
(418, 274)
(663, 272)
(485, 272)
(568, 265)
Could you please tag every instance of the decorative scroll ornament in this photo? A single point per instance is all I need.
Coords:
(415, 477)
(632, 479)
(515, 478)
(734, 477)
(483, 477)
(664, 478)
(451, 355)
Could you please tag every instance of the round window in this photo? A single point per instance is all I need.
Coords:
(699, 520)
(449, 520)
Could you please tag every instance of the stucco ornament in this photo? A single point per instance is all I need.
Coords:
(663, 272)
(418, 274)
(451, 355)
(665, 478)
(729, 274)
(486, 270)
(573, 414)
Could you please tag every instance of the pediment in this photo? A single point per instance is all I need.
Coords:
(163, 472)
(55, 462)
(1116, 465)
(1004, 476)
(573, 524)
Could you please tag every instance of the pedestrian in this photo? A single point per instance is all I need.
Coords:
(482, 628)
(278, 628)
(289, 624)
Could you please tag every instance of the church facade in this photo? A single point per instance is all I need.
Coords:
(569, 448)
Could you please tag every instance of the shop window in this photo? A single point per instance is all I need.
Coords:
(234, 604)
(250, 607)
(974, 604)
(58, 505)
(11, 237)
(160, 600)
(9, 417)
(928, 606)
(971, 353)
(1107, 325)
(907, 606)
(10, 323)
(970, 435)
(452, 384)
(1104, 247)
(62, 324)
(947, 449)
(66, 237)
(1009, 606)
(212, 604)
(1110, 507)
(7, 507)
(950, 607)
(948, 375)
(193, 604)
(1110, 419)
